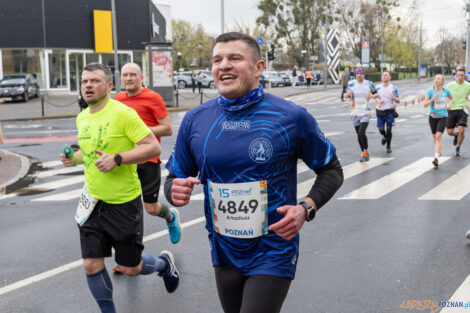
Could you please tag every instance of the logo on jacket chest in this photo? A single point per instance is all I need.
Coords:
(236, 125)
(260, 150)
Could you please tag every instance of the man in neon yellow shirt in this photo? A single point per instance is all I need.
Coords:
(112, 140)
(458, 113)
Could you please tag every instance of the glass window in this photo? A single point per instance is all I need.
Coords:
(107, 59)
(22, 61)
(57, 69)
(92, 58)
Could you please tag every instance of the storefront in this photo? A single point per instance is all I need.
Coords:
(62, 42)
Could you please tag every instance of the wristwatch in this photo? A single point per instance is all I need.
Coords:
(118, 159)
(310, 211)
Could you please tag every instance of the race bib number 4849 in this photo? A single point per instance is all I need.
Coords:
(240, 210)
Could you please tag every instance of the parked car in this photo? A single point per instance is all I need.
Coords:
(275, 78)
(18, 87)
(183, 80)
(286, 78)
(207, 80)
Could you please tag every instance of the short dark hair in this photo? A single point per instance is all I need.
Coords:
(460, 69)
(250, 41)
(91, 67)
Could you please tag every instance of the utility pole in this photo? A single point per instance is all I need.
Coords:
(467, 49)
(420, 44)
(222, 16)
(117, 77)
(442, 57)
(44, 80)
(382, 57)
(325, 68)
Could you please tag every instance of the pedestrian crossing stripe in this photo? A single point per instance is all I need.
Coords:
(349, 171)
(454, 188)
(392, 181)
(373, 190)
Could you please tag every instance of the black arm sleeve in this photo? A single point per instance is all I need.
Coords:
(167, 188)
(329, 179)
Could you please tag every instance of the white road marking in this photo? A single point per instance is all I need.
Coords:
(454, 188)
(61, 182)
(63, 196)
(60, 171)
(51, 163)
(348, 172)
(390, 182)
(77, 263)
(460, 295)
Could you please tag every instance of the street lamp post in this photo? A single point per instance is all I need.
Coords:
(304, 53)
(467, 49)
(178, 55)
(115, 48)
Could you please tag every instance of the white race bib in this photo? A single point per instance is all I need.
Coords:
(240, 210)
(86, 204)
(465, 109)
(361, 103)
(440, 103)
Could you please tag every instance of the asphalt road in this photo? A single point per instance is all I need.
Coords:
(382, 240)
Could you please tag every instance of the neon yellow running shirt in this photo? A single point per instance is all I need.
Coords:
(113, 129)
(459, 93)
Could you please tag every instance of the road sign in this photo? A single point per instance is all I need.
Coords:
(314, 58)
(259, 41)
(332, 39)
(365, 53)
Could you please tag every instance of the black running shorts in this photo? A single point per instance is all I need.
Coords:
(456, 118)
(437, 124)
(150, 178)
(118, 226)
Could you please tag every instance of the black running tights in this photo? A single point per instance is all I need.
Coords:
(361, 135)
(250, 294)
(387, 134)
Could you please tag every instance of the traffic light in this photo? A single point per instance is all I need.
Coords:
(271, 55)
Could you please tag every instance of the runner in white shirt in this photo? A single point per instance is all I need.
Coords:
(386, 103)
(362, 91)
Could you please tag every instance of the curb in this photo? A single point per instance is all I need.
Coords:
(25, 165)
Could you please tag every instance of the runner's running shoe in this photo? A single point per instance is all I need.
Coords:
(435, 162)
(457, 151)
(389, 149)
(384, 140)
(362, 157)
(455, 140)
(366, 156)
(171, 277)
(115, 268)
(174, 228)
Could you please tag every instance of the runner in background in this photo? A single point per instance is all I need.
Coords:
(362, 91)
(386, 103)
(458, 113)
(439, 100)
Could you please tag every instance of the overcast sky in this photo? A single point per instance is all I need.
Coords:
(435, 14)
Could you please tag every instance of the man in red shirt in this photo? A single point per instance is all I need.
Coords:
(151, 109)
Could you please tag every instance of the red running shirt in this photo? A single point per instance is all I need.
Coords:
(150, 107)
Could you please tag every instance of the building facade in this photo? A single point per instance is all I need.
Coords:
(55, 39)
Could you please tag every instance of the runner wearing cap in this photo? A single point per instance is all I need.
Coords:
(362, 91)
